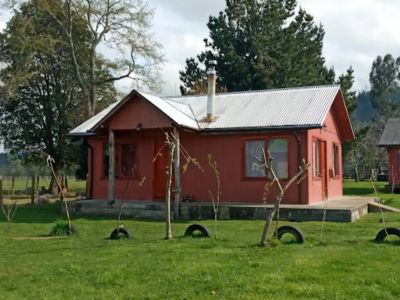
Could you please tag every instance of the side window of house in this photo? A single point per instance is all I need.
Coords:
(316, 150)
(278, 149)
(253, 155)
(336, 167)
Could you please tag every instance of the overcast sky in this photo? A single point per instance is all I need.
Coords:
(356, 32)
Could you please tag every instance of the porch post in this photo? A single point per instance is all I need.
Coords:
(177, 165)
(111, 166)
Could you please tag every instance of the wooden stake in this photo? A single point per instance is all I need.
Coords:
(111, 166)
(168, 231)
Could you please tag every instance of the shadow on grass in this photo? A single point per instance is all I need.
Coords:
(392, 241)
(362, 191)
(44, 213)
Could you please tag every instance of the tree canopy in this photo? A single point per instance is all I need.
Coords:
(40, 100)
(121, 27)
(384, 79)
(258, 45)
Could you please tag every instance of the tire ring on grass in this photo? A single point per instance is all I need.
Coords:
(382, 234)
(298, 235)
(204, 231)
(120, 232)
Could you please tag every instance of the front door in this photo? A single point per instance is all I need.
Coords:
(324, 171)
(160, 169)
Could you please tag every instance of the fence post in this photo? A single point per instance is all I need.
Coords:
(1, 190)
(33, 190)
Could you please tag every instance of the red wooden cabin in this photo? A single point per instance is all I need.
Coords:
(297, 123)
(390, 140)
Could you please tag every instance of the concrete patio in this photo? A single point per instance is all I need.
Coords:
(343, 209)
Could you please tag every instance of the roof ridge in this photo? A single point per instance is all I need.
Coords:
(257, 91)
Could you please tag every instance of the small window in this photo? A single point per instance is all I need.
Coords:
(254, 158)
(125, 160)
(336, 170)
(278, 148)
(316, 158)
(128, 160)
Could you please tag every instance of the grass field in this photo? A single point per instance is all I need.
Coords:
(348, 266)
(22, 183)
(365, 188)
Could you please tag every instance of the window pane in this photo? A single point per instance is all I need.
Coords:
(254, 158)
(316, 158)
(336, 160)
(278, 148)
(128, 160)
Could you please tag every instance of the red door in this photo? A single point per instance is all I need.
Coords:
(324, 171)
(160, 169)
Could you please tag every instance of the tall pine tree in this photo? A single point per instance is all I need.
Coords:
(259, 45)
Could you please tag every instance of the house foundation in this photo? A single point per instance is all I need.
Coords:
(343, 209)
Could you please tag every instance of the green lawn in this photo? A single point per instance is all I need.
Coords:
(349, 266)
(365, 188)
(21, 183)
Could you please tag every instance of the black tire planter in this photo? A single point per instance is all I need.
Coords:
(197, 230)
(294, 231)
(120, 233)
(382, 234)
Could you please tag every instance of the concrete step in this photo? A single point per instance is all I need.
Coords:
(134, 209)
(377, 207)
(134, 213)
(135, 205)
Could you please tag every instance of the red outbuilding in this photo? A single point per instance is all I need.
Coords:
(390, 140)
(307, 123)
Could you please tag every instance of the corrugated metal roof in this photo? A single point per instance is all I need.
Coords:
(292, 107)
(391, 134)
(304, 107)
(85, 127)
(180, 113)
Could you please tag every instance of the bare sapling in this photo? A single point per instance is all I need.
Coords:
(50, 162)
(215, 198)
(124, 198)
(174, 148)
(298, 177)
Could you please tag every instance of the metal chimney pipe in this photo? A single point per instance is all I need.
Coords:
(212, 78)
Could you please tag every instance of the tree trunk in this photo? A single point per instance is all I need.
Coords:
(1, 190)
(357, 175)
(26, 184)
(33, 191)
(53, 187)
(264, 241)
(61, 187)
(12, 185)
(37, 184)
(66, 184)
